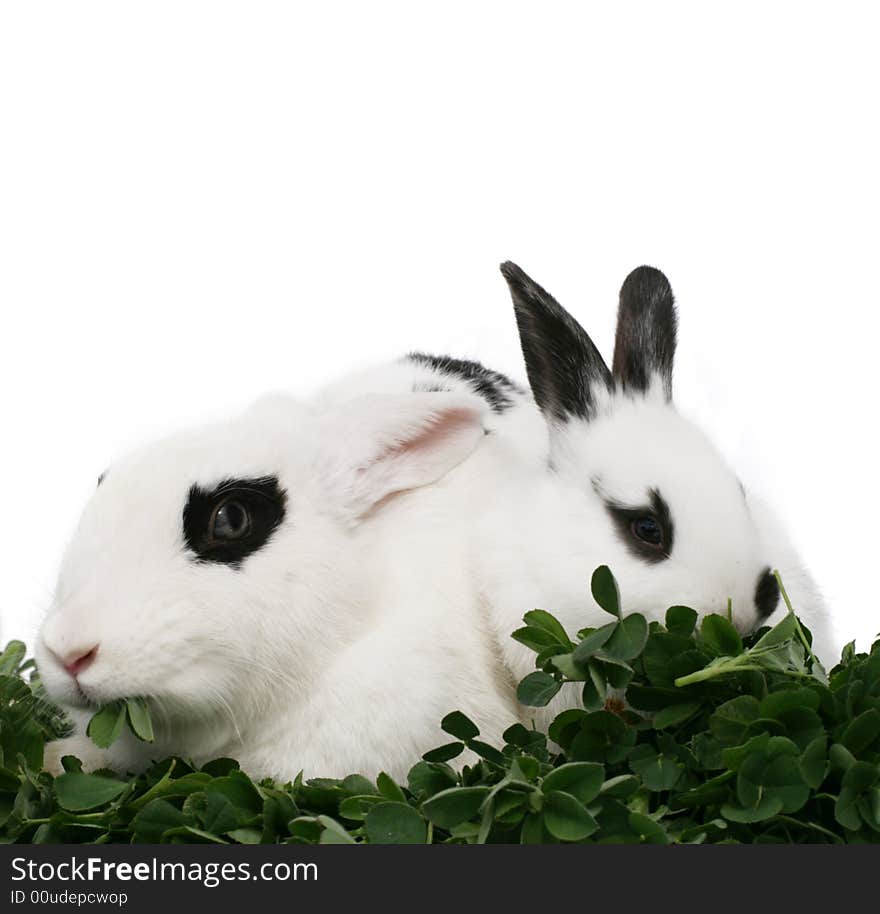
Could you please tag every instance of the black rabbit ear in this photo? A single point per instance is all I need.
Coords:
(646, 331)
(565, 369)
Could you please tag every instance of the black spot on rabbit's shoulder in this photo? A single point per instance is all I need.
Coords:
(232, 520)
(766, 595)
(495, 388)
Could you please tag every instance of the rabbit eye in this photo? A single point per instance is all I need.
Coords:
(648, 530)
(230, 521)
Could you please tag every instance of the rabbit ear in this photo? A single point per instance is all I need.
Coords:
(384, 444)
(565, 369)
(646, 331)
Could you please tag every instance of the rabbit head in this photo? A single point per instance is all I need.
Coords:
(637, 486)
(214, 572)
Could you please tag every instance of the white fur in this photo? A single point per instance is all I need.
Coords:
(337, 647)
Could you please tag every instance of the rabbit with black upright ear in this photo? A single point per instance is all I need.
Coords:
(630, 483)
(598, 467)
(249, 580)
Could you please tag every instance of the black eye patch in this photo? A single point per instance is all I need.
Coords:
(233, 520)
(646, 530)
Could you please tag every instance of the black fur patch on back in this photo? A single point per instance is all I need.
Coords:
(646, 331)
(564, 367)
(495, 388)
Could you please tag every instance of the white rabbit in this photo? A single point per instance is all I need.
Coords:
(614, 475)
(631, 483)
(250, 581)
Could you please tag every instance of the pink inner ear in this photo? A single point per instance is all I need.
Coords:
(445, 425)
(417, 456)
(442, 426)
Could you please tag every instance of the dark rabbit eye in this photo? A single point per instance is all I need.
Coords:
(648, 530)
(230, 521)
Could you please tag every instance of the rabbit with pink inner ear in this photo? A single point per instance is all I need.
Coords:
(251, 582)
(597, 467)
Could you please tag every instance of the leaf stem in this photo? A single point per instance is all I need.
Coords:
(797, 622)
(713, 671)
(791, 820)
(79, 818)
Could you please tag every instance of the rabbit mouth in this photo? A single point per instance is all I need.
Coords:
(79, 698)
(88, 697)
(85, 698)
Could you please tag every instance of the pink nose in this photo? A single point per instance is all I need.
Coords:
(77, 661)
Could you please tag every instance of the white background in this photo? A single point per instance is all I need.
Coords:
(200, 202)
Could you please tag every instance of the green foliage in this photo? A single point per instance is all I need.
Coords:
(686, 733)
(107, 724)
